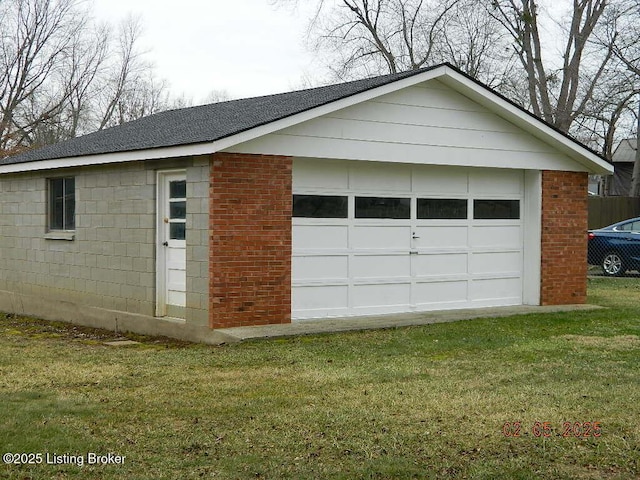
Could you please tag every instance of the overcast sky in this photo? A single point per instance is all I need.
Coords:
(246, 47)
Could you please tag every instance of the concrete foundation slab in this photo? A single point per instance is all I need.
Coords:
(310, 327)
(123, 322)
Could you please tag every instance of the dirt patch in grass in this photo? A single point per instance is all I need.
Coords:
(618, 342)
(18, 325)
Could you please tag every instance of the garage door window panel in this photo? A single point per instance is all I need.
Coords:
(383, 208)
(320, 206)
(442, 209)
(496, 209)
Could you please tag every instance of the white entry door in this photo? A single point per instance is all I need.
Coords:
(171, 256)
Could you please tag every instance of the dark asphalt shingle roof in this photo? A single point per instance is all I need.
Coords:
(204, 123)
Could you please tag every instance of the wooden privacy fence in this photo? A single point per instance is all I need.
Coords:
(604, 211)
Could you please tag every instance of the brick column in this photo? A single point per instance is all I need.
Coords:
(564, 238)
(250, 240)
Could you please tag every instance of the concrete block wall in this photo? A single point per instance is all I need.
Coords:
(22, 253)
(198, 241)
(110, 262)
(564, 238)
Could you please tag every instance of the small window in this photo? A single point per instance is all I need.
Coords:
(177, 209)
(383, 207)
(496, 209)
(320, 206)
(442, 208)
(62, 203)
(178, 189)
(177, 231)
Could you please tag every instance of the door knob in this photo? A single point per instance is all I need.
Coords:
(165, 244)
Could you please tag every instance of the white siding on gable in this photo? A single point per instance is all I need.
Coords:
(425, 124)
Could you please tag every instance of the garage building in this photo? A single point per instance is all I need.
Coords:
(417, 191)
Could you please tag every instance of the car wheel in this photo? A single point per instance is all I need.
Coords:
(613, 265)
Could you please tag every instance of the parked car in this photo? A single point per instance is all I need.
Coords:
(616, 248)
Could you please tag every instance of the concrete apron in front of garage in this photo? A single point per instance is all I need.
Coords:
(331, 325)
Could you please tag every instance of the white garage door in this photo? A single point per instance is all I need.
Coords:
(378, 238)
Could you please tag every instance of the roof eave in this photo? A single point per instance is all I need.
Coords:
(107, 158)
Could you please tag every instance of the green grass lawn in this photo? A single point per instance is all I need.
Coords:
(421, 402)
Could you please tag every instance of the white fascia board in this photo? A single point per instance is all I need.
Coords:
(592, 162)
(106, 158)
(227, 142)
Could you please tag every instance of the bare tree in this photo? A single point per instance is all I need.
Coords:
(558, 95)
(624, 37)
(388, 36)
(61, 75)
(623, 33)
(37, 38)
(608, 114)
(85, 66)
(472, 41)
(129, 90)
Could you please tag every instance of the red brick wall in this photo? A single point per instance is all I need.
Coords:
(564, 238)
(250, 240)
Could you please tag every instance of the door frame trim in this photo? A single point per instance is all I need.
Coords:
(161, 269)
(532, 231)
